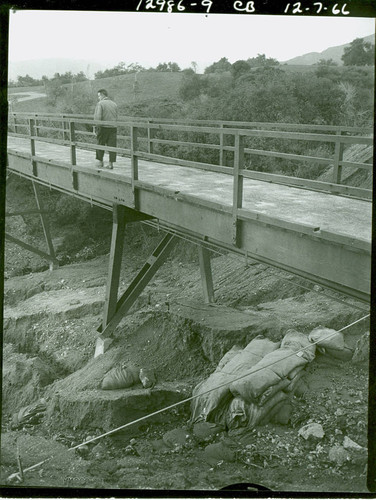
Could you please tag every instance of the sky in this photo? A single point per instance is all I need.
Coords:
(150, 38)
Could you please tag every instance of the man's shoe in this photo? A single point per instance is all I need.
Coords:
(99, 164)
(110, 166)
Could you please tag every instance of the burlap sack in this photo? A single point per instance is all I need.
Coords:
(327, 338)
(120, 377)
(211, 405)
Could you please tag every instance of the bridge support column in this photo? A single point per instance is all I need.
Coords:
(129, 297)
(114, 266)
(206, 274)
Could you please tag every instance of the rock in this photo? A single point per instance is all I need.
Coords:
(147, 377)
(160, 446)
(205, 431)
(101, 346)
(176, 437)
(99, 450)
(349, 444)
(361, 352)
(312, 432)
(338, 455)
(83, 450)
(358, 454)
(219, 452)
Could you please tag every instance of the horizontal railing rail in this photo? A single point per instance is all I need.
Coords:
(216, 123)
(225, 149)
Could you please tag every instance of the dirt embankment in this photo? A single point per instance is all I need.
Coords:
(51, 322)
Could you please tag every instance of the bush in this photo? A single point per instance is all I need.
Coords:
(68, 209)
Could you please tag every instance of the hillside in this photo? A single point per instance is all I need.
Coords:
(39, 67)
(334, 53)
(151, 84)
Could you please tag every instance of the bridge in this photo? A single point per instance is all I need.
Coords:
(204, 180)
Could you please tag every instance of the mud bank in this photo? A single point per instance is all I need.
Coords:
(51, 324)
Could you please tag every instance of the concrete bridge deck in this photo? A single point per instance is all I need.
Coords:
(321, 236)
(337, 214)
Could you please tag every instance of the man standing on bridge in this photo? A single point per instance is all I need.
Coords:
(106, 110)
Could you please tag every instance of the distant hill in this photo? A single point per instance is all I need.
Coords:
(334, 53)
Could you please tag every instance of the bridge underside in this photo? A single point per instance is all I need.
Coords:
(338, 261)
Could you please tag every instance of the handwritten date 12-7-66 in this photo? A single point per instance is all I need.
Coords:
(174, 5)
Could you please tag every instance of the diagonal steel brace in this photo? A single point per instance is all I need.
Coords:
(148, 270)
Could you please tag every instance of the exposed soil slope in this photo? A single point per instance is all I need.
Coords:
(51, 321)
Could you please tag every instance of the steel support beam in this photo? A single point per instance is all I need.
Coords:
(139, 283)
(29, 212)
(51, 257)
(46, 230)
(116, 252)
(26, 246)
(206, 274)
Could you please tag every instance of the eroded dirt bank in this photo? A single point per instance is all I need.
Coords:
(51, 322)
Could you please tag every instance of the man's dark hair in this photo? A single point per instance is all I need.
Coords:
(103, 91)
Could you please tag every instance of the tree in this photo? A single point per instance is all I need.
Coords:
(162, 67)
(327, 68)
(261, 61)
(173, 67)
(55, 90)
(194, 66)
(27, 81)
(219, 67)
(239, 68)
(359, 53)
(326, 62)
(190, 86)
(170, 66)
(134, 68)
(81, 77)
(216, 84)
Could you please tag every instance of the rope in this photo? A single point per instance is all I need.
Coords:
(141, 419)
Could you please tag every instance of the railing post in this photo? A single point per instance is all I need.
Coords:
(72, 137)
(32, 145)
(237, 186)
(338, 157)
(15, 122)
(150, 137)
(134, 163)
(64, 126)
(221, 144)
(36, 125)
